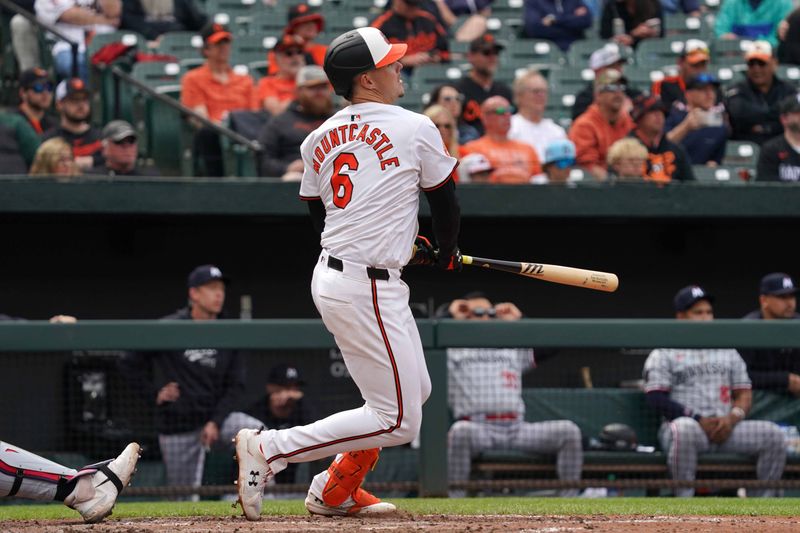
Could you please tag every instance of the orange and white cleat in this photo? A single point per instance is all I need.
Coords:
(360, 503)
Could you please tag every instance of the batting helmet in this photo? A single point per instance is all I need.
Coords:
(355, 52)
(618, 437)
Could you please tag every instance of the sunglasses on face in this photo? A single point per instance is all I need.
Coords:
(612, 88)
(756, 63)
(564, 163)
(503, 110)
(127, 141)
(480, 312)
(458, 97)
(292, 52)
(41, 86)
(489, 53)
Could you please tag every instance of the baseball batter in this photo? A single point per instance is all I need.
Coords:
(363, 171)
(704, 395)
(485, 396)
(92, 490)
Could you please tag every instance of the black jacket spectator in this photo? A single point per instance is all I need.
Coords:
(770, 368)
(754, 115)
(561, 21)
(778, 161)
(282, 137)
(789, 48)
(422, 32)
(87, 143)
(644, 10)
(667, 161)
(185, 16)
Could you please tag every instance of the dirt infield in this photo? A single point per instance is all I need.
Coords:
(421, 523)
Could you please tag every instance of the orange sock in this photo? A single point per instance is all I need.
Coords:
(346, 474)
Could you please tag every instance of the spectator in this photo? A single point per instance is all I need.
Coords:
(472, 15)
(18, 144)
(514, 162)
(528, 124)
(753, 103)
(54, 158)
(32, 477)
(121, 150)
(77, 19)
(666, 161)
(72, 103)
(629, 21)
(693, 61)
(480, 84)
(485, 397)
(283, 407)
(789, 37)
(306, 22)
(751, 19)
(155, 18)
(603, 123)
(627, 160)
(559, 161)
(276, 92)
(478, 168)
(282, 136)
(690, 7)
(445, 122)
(703, 396)
(36, 97)
(776, 369)
(406, 22)
(609, 57)
(560, 21)
(779, 159)
(448, 96)
(699, 125)
(213, 90)
(197, 391)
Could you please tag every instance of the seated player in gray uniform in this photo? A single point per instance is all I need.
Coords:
(485, 397)
(704, 396)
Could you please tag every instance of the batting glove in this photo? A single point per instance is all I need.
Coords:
(424, 254)
(450, 261)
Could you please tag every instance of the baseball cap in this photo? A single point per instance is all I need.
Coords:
(605, 56)
(609, 80)
(29, 77)
(214, 32)
(487, 41)
(688, 296)
(702, 80)
(560, 150)
(760, 50)
(311, 75)
(777, 284)
(71, 87)
(644, 104)
(289, 40)
(116, 130)
(790, 104)
(476, 162)
(301, 13)
(695, 51)
(205, 274)
(284, 374)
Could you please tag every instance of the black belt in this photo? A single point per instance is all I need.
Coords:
(372, 273)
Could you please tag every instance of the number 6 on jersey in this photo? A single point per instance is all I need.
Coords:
(341, 184)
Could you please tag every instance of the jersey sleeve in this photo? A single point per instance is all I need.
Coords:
(657, 375)
(740, 379)
(309, 185)
(435, 163)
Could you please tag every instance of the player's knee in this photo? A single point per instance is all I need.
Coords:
(684, 426)
(772, 437)
(571, 432)
(459, 434)
(409, 426)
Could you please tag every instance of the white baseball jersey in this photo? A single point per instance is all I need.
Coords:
(486, 380)
(701, 380)
(367, 164)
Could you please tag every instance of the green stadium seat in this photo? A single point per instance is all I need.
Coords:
(541, 54)
(727, 75)
(580, 51)
(129, 38)
(506, 17)
(722, 175)
(729, 52)
(428, 76)
(250, 48)
(155, 74)
(415, 99)
(789, 73)
(656, 53)
(267, 22)
(345, 20)
(643, 77)
(184, 45)
(681, 26)
(164, 78)
(741, 154)
(236, 14)
(570, 79)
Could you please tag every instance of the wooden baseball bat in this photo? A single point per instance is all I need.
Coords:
(577, 277)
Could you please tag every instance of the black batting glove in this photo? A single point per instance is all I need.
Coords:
(450, 261)
(424, 254)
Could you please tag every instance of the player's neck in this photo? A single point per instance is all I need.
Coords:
(370, 97)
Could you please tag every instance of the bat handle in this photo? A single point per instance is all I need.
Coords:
(466, 259)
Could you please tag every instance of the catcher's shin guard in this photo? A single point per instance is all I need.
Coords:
(346, 474)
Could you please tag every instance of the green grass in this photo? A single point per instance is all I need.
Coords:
(467, 506)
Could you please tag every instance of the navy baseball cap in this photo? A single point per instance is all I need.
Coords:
(284, 374)
(704, 79)
(777, 284)
(688, 296)
(205, 274)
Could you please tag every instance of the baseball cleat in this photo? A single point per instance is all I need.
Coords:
(108, 482)
(359, 503)
(254, 473)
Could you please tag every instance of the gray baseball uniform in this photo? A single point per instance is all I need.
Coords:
(485, 395)
(703, 381)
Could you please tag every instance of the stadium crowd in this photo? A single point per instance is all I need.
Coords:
(505, 94)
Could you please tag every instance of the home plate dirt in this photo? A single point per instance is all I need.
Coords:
(421, 523)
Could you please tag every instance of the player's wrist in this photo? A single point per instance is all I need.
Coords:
(737, 413)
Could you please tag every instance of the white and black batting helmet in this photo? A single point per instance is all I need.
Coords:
(355, 52)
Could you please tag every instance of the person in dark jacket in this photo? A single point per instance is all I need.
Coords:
(121, 151)
(640, 19)
(779, 160)
(197, 391)
(152, 19)
(693, 61)
(666, 161)
(18, 144)
(282, 136)
(776, 369)
(561, 21)
(753, 103)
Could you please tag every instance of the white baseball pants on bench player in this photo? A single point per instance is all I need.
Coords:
(377, 335)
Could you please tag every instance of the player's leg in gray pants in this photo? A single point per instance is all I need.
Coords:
(561, 437)
(683, 439)
(465, 441)
(762, 438)
(184, 458)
